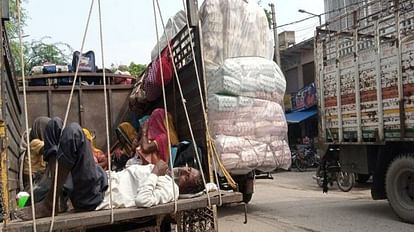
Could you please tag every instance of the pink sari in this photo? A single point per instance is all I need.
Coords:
(158, 132)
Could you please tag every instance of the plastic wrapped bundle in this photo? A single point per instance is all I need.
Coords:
(173, 26)
(234, 28)
(248, 117)
(254, 77)
(240, 155)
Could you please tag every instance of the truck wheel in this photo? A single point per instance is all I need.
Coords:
(362, 178)
(399, 186)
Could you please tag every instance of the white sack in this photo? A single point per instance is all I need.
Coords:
(234, 28)
(251, 118)
(254, 77)
(240, 155)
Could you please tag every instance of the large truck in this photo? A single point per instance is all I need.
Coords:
(365, 81)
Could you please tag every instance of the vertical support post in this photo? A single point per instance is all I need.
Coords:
(356, 73)
(338, 92)
(276, 57)
(379, 84)
(399, 69)
(192, 12)
(319, 53)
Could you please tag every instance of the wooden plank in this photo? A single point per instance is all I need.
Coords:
(103, 217)
(72, 74)
(68, 88)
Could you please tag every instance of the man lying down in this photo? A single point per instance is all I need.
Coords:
(137, 185)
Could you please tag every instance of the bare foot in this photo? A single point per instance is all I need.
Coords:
(42, 209)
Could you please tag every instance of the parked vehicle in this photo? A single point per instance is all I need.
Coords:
(330, 171)
(304, 156)
(365, 79)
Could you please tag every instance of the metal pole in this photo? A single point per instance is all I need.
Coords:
(276, 57)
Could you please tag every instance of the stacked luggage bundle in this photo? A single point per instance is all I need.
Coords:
(245, 87)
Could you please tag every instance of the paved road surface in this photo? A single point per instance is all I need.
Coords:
(293, 202)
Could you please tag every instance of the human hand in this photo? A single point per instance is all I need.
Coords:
(145, 128)
(160, 168)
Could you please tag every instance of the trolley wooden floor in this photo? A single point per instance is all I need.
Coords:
(84, 220)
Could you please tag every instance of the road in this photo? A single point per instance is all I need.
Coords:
(293, 202)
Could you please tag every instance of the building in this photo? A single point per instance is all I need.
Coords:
(336, 9)
(297, 63)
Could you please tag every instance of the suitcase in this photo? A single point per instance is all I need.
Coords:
(86, 61)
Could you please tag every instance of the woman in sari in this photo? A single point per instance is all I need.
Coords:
(154, 141)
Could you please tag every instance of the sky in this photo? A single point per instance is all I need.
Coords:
(128, 25)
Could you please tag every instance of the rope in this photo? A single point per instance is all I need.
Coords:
(165, 107)
(211, 143)
(211, 158)
(67, 114)
(106, 112)
(25, 114)
(184, 102)
(23, 148)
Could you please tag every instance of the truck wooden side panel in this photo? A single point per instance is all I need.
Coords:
(366, 79)
(87, 106)
(10, 128)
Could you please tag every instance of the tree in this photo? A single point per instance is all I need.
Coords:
(268, 14)
(35, 52)
(136, 69)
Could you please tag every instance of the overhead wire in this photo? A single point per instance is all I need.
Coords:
(324, 13)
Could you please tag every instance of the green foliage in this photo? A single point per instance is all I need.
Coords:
(39, 52)
(268, 14)
(12, 26)
(136, 69)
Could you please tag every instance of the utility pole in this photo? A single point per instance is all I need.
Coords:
(276, 57)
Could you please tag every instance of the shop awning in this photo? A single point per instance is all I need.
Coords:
(297, 117)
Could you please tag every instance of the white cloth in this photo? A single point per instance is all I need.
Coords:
(137, 186)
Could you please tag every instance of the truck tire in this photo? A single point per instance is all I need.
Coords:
(399, 186)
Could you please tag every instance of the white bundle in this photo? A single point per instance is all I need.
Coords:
(234, 28)
(254, 77)
(240, 155)
(250, 118)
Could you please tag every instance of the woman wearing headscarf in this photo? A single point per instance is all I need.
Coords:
(36, 137)
(128, 138)
(98, 155)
